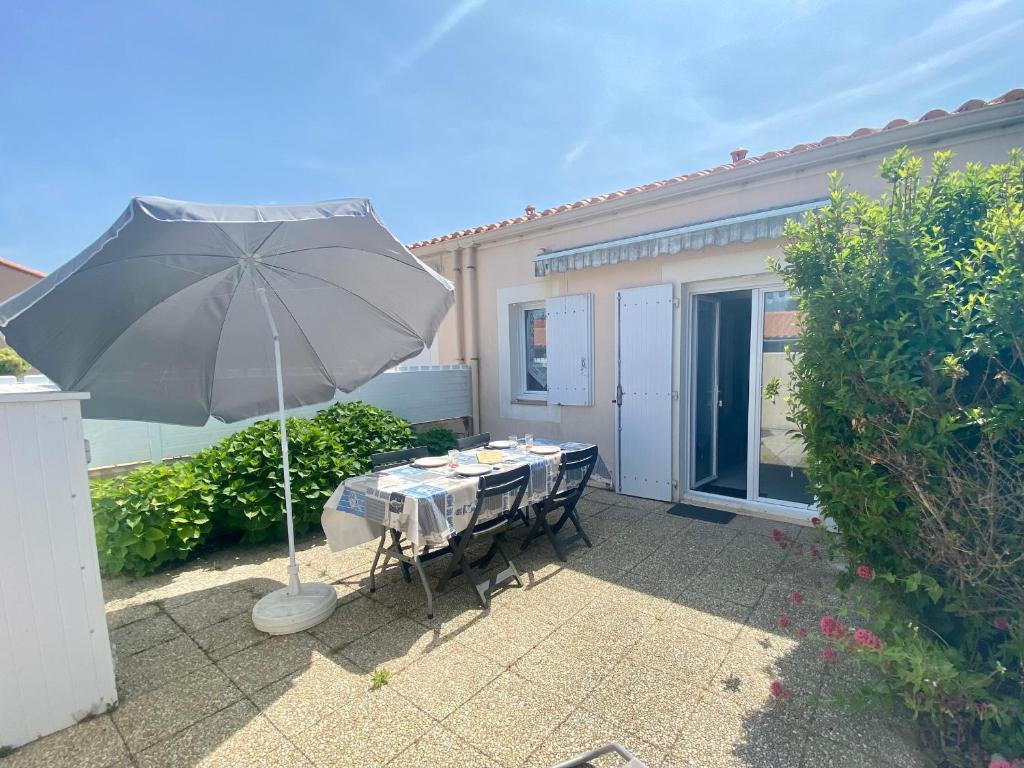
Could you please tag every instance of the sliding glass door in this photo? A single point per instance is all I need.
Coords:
(741, 442)
(781, 460)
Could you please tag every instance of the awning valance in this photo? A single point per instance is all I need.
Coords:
(758, 225)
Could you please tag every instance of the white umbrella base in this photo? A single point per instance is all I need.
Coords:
(282, 614)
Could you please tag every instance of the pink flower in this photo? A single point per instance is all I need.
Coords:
(815, 521)
(829, 655)
(815, 552)
(783, 621)
(1001, 623)
(830, 627)
(779, 691)
(866, 639)
(801, 632)
(865, 572)
(1000, 762)
(796, 598)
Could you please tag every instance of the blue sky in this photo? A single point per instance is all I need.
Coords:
(446, 114)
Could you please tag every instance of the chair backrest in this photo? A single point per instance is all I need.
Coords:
(390, 459)
(513, 481)
(582, 462)
(473, 441)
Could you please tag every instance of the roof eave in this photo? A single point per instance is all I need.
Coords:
(986, 118)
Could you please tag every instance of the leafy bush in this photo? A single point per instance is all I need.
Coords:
(437, 440)
(11, 363)
(151, 517)
(362, 430)
(235, 489)
(248, 484)
(909, 394)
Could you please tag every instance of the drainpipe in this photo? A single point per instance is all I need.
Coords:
(472, 329)
(460, 306)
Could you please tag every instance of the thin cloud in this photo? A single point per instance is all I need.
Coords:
(960, 14)
(577, 149)
(884, 83)
(438, 32)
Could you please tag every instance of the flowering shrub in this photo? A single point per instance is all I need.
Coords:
(909, 395)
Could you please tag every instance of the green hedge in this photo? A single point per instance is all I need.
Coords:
(437, 440)
(234, 490)
(909, 394)
(11, 363)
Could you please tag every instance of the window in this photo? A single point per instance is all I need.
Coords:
(529, 351)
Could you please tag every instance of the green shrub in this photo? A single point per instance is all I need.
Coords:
(11, 363)
(235, 488)
(245, 473)
(438, 440)
(150, 517)
(362, 430)
(909, 394)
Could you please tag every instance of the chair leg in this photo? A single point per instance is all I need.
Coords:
(499, 545)
(542, 520)
(534, 532)
(579, 528)
(570, 516)
(455, 563)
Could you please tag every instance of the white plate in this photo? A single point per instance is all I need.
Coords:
(545, 450)
(499, 444)
(473, 470)
(431, 461)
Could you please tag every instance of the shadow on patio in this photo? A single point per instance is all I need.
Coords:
(664, 637)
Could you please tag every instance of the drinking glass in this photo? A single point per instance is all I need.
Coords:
(513, 441)
(528, 441)
(453, 458)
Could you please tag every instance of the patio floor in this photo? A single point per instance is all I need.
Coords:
(662, 637)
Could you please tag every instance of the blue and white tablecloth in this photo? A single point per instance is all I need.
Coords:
(429, 506)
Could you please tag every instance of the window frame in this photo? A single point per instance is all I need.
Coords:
(517, 356)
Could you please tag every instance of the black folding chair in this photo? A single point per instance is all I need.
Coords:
(497, 485)
(390, 459)
(473, 441)
(565, 499)
(587, 758)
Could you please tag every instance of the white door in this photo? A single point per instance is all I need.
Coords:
(643, 391)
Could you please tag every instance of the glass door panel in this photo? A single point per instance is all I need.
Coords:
(781, 459)
(705, 404)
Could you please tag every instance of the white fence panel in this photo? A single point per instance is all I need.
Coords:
(417, 393)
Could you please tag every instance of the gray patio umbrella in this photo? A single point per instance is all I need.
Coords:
(185, 311)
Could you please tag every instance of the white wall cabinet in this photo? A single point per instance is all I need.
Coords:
(55, 659)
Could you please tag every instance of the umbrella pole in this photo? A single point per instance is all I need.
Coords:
(293, 567)
(297, 606)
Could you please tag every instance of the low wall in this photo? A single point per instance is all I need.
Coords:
(418, 394)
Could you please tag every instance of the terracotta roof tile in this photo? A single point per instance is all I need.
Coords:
(1017, 94)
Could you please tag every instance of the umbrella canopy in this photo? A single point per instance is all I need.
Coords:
(161, 318)
(182, 311)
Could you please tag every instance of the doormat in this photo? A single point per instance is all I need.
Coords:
(701, 513)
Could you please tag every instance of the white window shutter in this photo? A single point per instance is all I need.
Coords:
(570, 349)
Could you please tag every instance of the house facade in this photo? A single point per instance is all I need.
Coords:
(14, 278)
(649, 321)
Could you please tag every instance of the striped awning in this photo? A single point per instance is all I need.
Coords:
(758, 225)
